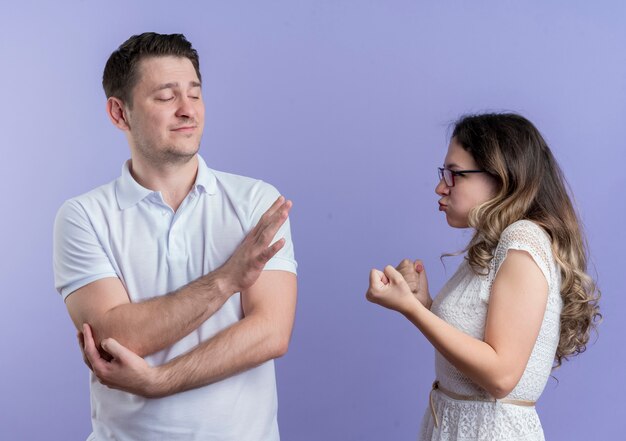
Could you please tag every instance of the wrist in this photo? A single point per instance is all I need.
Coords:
(412, 308)
(222, 281)
(428, 303)
(158, 385)
(225, 281)
(409, 306)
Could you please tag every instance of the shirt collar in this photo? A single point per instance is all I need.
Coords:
(129, 192)
(205, 179)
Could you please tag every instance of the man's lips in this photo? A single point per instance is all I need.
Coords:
(442, 207)
(184, 129)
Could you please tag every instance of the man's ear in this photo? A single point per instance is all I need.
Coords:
(117, 113)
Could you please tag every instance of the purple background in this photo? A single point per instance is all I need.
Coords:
(344, 106)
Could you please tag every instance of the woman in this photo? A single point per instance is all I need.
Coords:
(519, 304)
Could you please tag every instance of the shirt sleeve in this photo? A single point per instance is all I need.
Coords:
(526, 236)
(284, 260)
(78, 256)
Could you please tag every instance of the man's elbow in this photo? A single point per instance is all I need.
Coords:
(280, 345)
(101, 332)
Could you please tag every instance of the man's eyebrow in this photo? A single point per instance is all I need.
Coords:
(166, 86)
(452, 164)
(176, 85)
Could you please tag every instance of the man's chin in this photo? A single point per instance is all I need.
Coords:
(180, 155)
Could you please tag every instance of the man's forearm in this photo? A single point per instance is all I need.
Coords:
(264, 333)
(246, 344)
(150, 326)
(153, 325)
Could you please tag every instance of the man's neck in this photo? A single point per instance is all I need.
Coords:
(174, 181)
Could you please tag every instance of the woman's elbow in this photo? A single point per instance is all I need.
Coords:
(502, 386)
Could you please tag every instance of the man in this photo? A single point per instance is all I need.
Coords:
(172, 274)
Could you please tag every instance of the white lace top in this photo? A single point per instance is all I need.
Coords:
(463, 302)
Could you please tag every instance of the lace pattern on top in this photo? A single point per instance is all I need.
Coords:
(463, 302)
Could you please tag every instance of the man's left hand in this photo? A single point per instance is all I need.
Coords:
(125, 371)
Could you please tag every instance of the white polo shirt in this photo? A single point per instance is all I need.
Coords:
(124, 230)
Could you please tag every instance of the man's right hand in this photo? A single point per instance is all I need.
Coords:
(244, 267)
(106, 305)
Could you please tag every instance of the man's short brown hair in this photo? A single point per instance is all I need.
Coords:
(120, 73)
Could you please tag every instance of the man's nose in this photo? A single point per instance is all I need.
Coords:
(186, 108)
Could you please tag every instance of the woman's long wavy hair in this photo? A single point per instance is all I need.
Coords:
(531, 186)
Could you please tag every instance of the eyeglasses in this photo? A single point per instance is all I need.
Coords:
(448, 175)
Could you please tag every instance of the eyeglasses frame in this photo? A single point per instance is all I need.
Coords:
(454, 173)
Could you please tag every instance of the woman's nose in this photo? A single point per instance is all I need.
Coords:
(442, 188)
